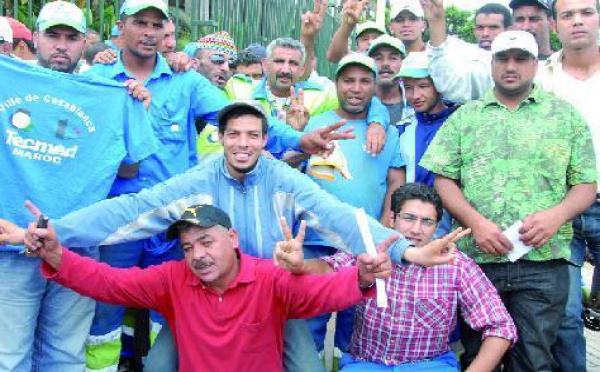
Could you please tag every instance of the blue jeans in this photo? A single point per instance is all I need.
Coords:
(299, 353)
(43, 326)
(569, 349)
(108, 319)
(444, 363)
(535, 295)
(344, 324)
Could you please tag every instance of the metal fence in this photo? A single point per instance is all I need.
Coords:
(247, 21)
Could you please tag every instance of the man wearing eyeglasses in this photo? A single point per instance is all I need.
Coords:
(216, 58)
(424, 301)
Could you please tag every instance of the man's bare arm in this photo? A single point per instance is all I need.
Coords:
(490, 354)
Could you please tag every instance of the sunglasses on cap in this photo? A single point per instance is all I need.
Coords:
(219, 59)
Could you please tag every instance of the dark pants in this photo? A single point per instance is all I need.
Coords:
(535, 295)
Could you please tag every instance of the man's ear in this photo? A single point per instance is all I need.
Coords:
(233, 237)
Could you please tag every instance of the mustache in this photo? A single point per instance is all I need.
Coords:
(202, 264)
(284, 75)
(386, 71)
(61, 55)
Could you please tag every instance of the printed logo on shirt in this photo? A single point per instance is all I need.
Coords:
(21, 119)
(66, 131)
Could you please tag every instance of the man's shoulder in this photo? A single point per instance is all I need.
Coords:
(322, 119)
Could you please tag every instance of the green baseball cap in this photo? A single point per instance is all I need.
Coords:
(203, 215)
(387, 40)
(369, 26)
(356, 59)
(415, 66)
(61, 13)
(131, 7)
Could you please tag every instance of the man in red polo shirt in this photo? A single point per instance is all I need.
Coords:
(226, 309)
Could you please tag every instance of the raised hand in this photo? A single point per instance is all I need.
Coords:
(297, 114)
(312, 22)
(352, 11)
(437, 252)
(433, 9)
(379, 267)
(320, 140)
(289, 253)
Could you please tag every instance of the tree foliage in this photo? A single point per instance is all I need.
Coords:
(460, 23)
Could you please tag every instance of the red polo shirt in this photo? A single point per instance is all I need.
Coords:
(239, 330)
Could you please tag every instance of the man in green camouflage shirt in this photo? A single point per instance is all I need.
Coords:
(519, 154)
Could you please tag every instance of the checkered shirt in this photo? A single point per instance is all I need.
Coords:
(422, 310)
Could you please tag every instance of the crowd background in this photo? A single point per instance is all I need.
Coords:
(196, 18)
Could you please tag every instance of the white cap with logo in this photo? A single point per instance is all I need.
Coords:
(61, 13)
(411, 6)
(131, 7)
(514, 39)
(6, 34)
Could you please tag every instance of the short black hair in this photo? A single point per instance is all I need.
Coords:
(495, 8)
(90, 52)
(553, 11)
(536, 3)
(241, 111)
(247, 58)
(417, 191)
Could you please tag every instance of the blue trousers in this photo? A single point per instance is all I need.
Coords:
(569, 349)
(446, 362)
(43, 325)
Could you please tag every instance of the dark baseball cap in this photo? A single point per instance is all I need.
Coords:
(203, 215)
(544, 4)
(237, 105)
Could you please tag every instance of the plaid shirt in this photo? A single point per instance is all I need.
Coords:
(422, 310)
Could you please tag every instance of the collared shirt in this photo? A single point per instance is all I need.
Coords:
(422, 309)
(511, 164)
(583, 94)
(177, 98)
(416, 139)
(240, 329)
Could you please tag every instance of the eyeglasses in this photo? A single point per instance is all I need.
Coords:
(219, 59)
(411, 218)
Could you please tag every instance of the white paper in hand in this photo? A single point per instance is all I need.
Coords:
(519, 248)
(365, 232)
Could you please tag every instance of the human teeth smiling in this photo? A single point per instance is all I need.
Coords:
(241, 156)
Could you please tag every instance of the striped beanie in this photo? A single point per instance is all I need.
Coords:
(219, 41)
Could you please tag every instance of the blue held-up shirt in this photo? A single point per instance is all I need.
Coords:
(176, 98)
(416, 139)
(64, 137)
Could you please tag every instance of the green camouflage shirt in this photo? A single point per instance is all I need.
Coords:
(512, 164)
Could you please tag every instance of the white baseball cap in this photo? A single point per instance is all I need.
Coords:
(514, 39)
(131, 7)
(356, 59)
(412, 6)
(61, 13)
(6, 34)
(369, 26)
(416, 66)
(387, 40)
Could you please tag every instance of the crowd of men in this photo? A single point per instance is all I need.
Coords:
(434, 192)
